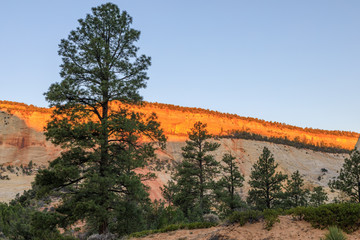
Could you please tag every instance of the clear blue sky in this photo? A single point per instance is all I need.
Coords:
(296, 62)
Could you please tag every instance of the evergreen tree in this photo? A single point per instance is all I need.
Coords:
(168, 191)
(348, 180)
(266, 184)
(94, 175)
(227, 188)
(318, 196)
(183, 191)
(2, 171)
(193, 177)
(295, 194)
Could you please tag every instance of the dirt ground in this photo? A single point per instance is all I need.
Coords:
(287, 228)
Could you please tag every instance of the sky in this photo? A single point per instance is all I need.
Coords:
(296, 62)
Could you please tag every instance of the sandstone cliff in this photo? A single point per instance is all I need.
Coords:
(177, 121)
(22, 140)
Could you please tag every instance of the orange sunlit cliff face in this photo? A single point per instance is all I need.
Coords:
(22, 140)
(176, 122)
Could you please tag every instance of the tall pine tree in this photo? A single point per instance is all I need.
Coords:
(95, 174)
(193, 178)
(227, 188)
(266, 184)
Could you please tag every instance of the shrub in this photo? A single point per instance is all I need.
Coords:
(200, 225)
(10, 168)
(174, 227)
(4, 177)
(106, 236)
(160, 216)
(296, 142)
(344, 215)
(271, 216)
(212, 218)
(18, 222)
(334, 234)
(297, 213)
(142, 233)
(248, 216)
(170, 228)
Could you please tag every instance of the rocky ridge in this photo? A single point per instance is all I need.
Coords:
(22, 141)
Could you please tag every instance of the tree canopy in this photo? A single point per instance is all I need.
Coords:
(265, 182)
(192, 181)
(228, 186)
(295, 194)
(95, 174)
(348, 180)
(318, 196)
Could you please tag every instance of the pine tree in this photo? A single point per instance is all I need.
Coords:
(193, 178)
(227, 188)
(318, 196)
(295, 194)
(348, 180)
(266, 184)
(183, 191)
(94, 175)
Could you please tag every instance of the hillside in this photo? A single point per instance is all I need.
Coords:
(22, 141)
(176, 121)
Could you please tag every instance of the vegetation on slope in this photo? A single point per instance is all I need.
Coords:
(250, 119)
(10, 105)
(297, 142)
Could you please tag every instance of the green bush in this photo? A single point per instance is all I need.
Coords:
(160, 216)
(248, 216)
(344, 215)
(297, 213)
(170, 228)
(174, 227)
(142, 233)
(22, 223)
(334, 234)
(271, 216)
(200, 225)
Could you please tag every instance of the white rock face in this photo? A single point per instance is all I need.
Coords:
(317, 168)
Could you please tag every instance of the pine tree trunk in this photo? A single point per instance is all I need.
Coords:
(105, 138)
(267, 198)
(103, 228)
(104, 159)
(201, 187)
(232, 187)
